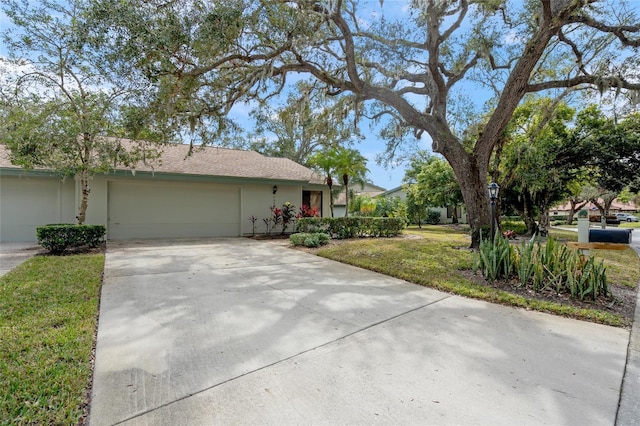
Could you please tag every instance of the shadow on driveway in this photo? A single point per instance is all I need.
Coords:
(237, 331)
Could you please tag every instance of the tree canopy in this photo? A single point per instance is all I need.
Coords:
(430, 182)
(59, 108)
(611, 151)
(403, 67)
(305, 124)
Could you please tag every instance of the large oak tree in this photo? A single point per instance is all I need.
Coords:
(403, 66)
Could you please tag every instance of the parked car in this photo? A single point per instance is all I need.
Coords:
(610, 220)
(626, 217)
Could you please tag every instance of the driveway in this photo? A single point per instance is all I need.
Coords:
(13, 254)
(236, 331)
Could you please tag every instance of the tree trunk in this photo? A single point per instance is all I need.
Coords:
(454, 216)
(474, 190)
(330, 185)
(84, 185)
(573, 207)
(345, 180)
(529, 215)
(544, 222)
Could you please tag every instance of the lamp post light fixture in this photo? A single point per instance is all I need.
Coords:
(494, 189)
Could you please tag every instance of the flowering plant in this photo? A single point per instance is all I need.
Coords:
(306, 211)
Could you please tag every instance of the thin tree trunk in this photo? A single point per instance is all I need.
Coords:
(84, 185)
(331, 200)
(346, 202)
(345, 180)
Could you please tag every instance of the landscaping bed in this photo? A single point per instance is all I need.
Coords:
(439, 257)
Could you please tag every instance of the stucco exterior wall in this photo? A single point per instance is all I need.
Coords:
(98, 199)
(27, 202)
(30, 201)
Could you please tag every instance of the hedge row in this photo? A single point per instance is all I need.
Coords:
(58, 237)
(351, 227)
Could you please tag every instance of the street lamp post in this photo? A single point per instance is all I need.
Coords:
(493, 196)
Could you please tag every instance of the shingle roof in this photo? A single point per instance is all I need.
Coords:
(215, 161)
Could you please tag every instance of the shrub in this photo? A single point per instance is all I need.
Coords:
(542, 267)
(495, 258)
(516, 226)
(351, 227)
(309, 240)
(433, 217)
(58, 237)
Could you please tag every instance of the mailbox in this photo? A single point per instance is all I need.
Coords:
(616, 236)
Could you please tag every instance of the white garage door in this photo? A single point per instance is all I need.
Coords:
(172, 210)
(26, 204)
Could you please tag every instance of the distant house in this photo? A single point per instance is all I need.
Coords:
(446, 213)
(616, 207)
(339, 204)
(211, 193)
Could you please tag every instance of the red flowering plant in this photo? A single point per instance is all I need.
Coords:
(288, 214)
(276, 217)
(306, 211)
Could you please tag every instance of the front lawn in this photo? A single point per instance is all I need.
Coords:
(438, 257)
(48, 313)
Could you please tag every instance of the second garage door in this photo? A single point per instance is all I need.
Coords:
(172, 210)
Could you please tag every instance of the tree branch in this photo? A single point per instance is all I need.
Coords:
(618, 31)
(600, 82)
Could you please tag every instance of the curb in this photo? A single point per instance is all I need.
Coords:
(628, 409)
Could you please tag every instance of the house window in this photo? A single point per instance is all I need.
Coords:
(450, 212)
(313, 199)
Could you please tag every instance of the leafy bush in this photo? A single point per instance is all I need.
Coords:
(516, 226)
(351, 227)
(309, 240)
(541, 267)
(58, 237)
(433, 217)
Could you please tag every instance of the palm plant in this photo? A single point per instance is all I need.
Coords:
(351, 166)
(325, 162)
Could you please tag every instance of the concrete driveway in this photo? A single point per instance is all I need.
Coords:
(235, 331)
(13, 254)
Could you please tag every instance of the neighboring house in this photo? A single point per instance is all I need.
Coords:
(211, 193)
(339, 204)
(446, 213)
(616, 207)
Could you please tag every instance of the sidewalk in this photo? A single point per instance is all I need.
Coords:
(629, 409)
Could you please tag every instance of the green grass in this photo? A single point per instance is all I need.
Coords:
(48, 313)
(630, 225)
(438, 259)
